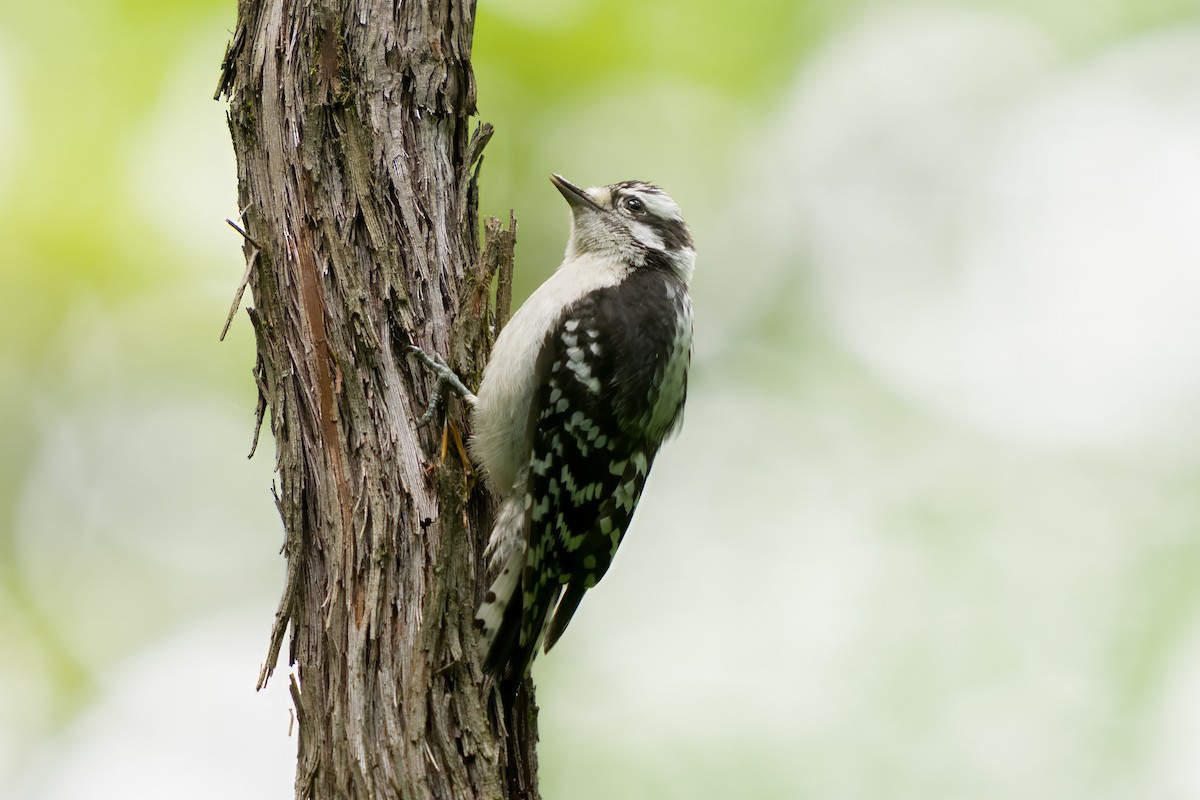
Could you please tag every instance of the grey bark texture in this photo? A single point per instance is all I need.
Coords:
(357, 173)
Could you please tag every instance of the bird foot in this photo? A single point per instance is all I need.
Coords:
(446, 379)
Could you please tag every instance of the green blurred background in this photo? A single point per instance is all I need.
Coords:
(930, 528)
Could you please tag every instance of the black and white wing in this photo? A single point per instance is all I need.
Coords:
(612, 378)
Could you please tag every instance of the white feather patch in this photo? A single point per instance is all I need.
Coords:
(508, 531)
(660, 205)
(646, 235)
(500, 594)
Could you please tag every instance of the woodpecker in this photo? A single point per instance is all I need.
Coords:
(583, 386)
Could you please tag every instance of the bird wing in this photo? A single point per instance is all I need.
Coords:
(596, 422)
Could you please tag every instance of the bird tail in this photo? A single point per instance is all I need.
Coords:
(511, 630)
(563, 613)
(499, 616)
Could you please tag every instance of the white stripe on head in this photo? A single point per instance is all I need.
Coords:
(601, 194)
(660, 205)
(647, 235)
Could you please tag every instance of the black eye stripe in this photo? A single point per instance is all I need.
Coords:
(671, 229)
(674, 233)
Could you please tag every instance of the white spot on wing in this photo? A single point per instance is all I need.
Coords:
(507, 389)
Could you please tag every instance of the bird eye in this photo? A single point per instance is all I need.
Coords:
(634, 205)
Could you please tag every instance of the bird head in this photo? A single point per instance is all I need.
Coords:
(633, 221)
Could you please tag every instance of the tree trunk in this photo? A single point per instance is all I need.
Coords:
(357, 174)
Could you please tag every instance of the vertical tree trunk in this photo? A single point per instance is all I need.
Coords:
(356, 169)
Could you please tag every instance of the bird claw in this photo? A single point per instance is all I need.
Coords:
(446, 379)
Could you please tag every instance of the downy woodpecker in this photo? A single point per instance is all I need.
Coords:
(583, 385)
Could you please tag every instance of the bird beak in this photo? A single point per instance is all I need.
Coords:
(577, 197)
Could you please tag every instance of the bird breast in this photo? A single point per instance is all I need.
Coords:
(501, 413)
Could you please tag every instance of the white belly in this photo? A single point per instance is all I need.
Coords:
(502, 412)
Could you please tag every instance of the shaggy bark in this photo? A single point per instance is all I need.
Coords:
(357, 172)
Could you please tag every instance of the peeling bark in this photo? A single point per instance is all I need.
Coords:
(358, 173)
